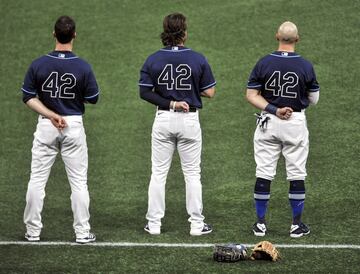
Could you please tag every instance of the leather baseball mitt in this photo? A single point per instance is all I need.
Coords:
(265, 250)
(229, 252)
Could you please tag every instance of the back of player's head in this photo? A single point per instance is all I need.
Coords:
(287, 33)
(174, 29)
(64, 29)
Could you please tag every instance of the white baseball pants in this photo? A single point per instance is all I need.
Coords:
(289, 137)
(71, 142)
(175, 130)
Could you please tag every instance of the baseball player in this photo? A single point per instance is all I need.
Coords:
(56, 86)
(282, 85)
(174, 79)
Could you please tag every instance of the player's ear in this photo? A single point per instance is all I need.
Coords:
(297, 38)
(277, 36)
(54, 34)
(74, 36)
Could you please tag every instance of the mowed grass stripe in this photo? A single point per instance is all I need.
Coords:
(182, 245)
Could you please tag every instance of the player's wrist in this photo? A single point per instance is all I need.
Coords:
(172, 105)
(271, 109)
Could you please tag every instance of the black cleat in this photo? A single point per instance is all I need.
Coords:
(259, 229)
(299, 230)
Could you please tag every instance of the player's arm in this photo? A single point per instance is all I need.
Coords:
(312, 87)
(255, 98)
(147, 94)
(30, 99)
(207, 81)
(208, 93)
(92, 91)
(36, 105)
(314, 97)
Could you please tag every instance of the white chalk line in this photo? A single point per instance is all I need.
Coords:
(181, 245)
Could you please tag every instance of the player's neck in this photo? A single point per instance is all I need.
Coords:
(63, 47)
(287, 47)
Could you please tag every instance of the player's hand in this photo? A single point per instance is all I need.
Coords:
(182, 105)
(58, 122)
(284, 113)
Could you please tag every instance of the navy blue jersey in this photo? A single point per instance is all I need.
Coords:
(284, 79)
(177, 73)
(62, 81)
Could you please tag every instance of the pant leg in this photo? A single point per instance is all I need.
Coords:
(75, 156)
(44, 151)
(189, 148)
(295, 137)
(162, 149)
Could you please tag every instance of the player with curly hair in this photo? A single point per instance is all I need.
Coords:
(174, 79)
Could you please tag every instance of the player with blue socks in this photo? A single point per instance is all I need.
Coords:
(282, 85)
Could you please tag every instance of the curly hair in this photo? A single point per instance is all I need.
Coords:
(174, 29)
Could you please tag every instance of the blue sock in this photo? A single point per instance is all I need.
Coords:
(297, 199)
(261, 197)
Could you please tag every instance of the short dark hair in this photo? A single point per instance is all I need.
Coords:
(64, 29)
(174, 29)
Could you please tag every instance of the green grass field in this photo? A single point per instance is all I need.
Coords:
(116, 37)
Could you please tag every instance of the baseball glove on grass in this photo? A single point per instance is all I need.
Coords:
(265, 250)
(229, 253)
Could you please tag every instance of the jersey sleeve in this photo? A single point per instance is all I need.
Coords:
(312, 84)
(207, 79)
(254, 81)
(29, 86)
(145, 77)
(91, 92)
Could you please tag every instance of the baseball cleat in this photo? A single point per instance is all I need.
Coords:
(88, 239)
(299, 230)
(32, 238)
(152, 231)
(205, 230)
(259, 229)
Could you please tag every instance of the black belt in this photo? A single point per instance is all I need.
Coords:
(191, 109)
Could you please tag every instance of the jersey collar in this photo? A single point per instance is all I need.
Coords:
(285, 54)
(62, 55)
(175, 48)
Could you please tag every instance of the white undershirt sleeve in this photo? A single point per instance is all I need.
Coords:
(314, 97)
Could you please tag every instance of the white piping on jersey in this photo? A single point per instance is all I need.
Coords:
(61, 58)
(170, 50)
(254, 86)
(146, 85)
(28, 91)
(314, 89)
(92, 96)
(283, 56)
(211, 85)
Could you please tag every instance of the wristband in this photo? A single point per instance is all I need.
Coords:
(271, 109)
